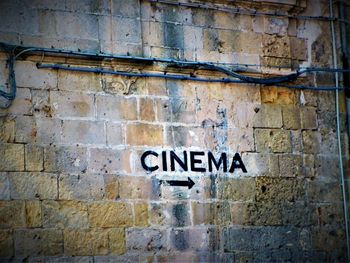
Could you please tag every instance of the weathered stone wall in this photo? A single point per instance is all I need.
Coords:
(71, 181)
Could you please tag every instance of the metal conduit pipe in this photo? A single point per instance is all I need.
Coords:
(346, 59)
(175, 76)
(341, 168)
(234, 76)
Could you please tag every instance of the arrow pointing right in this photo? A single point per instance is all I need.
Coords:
(189, 183)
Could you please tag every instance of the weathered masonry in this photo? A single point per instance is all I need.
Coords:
(174, 131)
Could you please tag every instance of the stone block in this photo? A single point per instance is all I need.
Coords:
(309, 165)
(130, 9)
(12, 157)
(297, 214)
(34, 158)
(65, 159)
(276, 26)
(83, 25)
(243, 115)
(141, 214)
(181, 136)
(320, 191)
(240, 213)
(194, 239)
(326, 119)
(126, 30)
(333, 237)
(179, 214)
(158, 214)
(327, 167)
(226, 41)
(241, 140)
(298, 48)
(183, 111)
(117, 258)
(64, 214)
(144, 134)
(84, 242)
(33, 185)
(115, 134)
(33, 214)
(105, 160)
(193, 38)
(110, 214)
(118, 85)
(292, 27)
(83, 132)
(116, 108)
(78, 81)
(7, 129)
(147, 109)
(291, 118)
(291, 165)
(268, 116)
(236, 189)
(278, 95)
(174, 35)
(258, 238)
(279, 189)
(48, 131)
(170, 214)
(258, 24)
(328, 215)
(308, 118)
(38, 242)
(153, 33)
(131, 187)
(163, 110)
(296, 139)
(6, 243)
(111, 186)
(72, 104)
(311, 141)
(276, 62)
(89, 7)
(263, 214)
(277, 141)
(81, 187)
(4, 187)
(260, 164)
(12, 214)
(25, 129)
(275, 46)
(308, 98)
(138, 239)
(116, 240)
(27, 75)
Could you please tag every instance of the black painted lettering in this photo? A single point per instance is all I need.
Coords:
(165, 168)
(222, 160)
(237, 163)
(195, 161)
(174, 157)
(143, 163)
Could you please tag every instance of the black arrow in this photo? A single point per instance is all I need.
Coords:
(188, 183)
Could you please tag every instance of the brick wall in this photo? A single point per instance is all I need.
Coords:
(72, 188)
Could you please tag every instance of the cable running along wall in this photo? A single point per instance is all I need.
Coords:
(233, 75)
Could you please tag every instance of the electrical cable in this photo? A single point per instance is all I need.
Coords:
(11, 95)
(341, 169)
(172, 76)
(17, 51)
